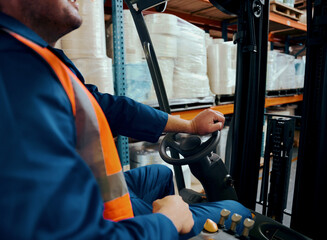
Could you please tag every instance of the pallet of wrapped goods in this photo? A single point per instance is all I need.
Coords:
(190, 72)
(222, 67)
(285, 10)
(86, 46)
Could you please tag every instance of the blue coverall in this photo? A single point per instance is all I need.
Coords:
(46, 190)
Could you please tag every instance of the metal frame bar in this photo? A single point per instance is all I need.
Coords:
(119, 70)
(247, 128)
(156, 76)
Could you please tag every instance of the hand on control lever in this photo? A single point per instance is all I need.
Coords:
(177, 211)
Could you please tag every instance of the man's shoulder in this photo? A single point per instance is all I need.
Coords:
(8, 43)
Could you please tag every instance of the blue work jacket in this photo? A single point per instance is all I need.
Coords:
(46, 190)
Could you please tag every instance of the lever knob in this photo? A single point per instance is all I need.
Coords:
(224, 214)
(229, 181)
(236, 218)
(248, 225)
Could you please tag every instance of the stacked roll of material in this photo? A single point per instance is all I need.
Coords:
(164, 33)
(86, 46)
(222, 68)
(137, 75)
(58, 44)
(89, 40)
(286, 71)
(132, 44)
(138, 81)
(190, 73)
(299, 65)
(162, 23)
(97, 71)
(271, 82)
(166, 66)
(281, 71)
(133, 48)
(208, 39)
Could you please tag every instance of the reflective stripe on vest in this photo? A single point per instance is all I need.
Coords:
(94, 141)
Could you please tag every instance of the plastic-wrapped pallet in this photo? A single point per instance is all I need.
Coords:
(289, 3)
(286, 71)
(137, 75)
(166, 66)
(132, 44)
(280, 71)
(58, 44)
(299, 65)
(222, 68)
(138, 81)
(163, 30)
(97, 71)
(89, 40)
(208, 39)
(272, 83)
(190, 73)
(164, 33)
(86, 46)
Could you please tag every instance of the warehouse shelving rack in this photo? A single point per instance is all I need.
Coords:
(203, 14)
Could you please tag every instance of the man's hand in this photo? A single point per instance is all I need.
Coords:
(177, 211)
(207, 121)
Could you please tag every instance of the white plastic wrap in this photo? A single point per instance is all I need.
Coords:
(97, 71)
(133, 48)
(299, 65)
(190, 73)
(165, 46)
(138, 81)
(222, 68)
(188, 85)
(271, 82)
(280, 71)
(289, 3)
(58, 44)
(162, 23)
(286, 71)
(89, 40)
(218, 40)
(167, 73)
(208, 39)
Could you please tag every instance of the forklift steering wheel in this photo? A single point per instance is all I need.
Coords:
(189, 146)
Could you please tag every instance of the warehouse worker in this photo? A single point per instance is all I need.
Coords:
(60, 176)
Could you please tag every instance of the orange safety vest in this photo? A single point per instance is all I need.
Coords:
(95, 142)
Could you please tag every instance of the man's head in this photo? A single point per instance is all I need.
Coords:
(51, 19)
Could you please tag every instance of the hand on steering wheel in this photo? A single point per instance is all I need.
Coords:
(190, 147)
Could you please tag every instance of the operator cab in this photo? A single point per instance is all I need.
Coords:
(204, 164)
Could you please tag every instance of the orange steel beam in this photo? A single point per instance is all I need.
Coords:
(229, 108)
(287, 21)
